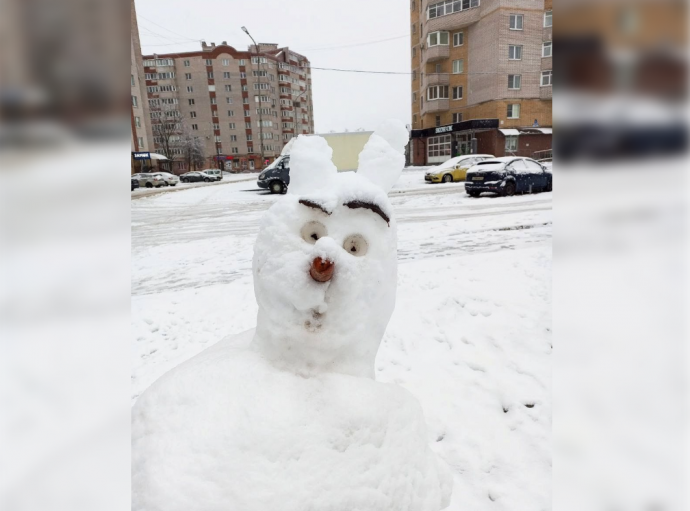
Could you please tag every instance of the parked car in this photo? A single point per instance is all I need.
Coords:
(196, 176)
(216, 174)
(454, 169)
(508, 175)
(135, 183)
(149, 180)
(168, 178)
(276, 177)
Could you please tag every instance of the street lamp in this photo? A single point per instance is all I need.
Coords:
(261, 121)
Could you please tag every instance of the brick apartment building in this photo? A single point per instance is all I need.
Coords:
(141, 137)
(229, 99)
(480, 69)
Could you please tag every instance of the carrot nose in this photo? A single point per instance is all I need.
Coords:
(321, 270)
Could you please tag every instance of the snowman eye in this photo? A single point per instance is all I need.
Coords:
(312, 231)
(356, 245)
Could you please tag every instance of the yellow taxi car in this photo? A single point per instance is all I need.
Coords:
(454, 169)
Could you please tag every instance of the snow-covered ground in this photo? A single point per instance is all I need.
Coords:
(470, 336)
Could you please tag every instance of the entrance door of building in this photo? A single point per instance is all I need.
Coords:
(464, 146)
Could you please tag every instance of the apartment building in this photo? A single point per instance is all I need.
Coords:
(141, 139)
(232, 101)
(481, 69)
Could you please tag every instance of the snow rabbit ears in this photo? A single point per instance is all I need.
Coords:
(380, 162)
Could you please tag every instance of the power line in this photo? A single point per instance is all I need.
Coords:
(165, 28)
(360, 71)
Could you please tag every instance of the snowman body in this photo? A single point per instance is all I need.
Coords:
(288, 417)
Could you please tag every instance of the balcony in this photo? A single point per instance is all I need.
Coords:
(454, 21)
(436, 79)
(434, 106)
(439, 52)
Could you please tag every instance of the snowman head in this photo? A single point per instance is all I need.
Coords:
(325, 260)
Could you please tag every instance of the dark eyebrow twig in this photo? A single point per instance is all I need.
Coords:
(368, 205)
(314, 205)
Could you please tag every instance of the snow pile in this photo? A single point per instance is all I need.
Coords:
(289, 416)
(383, 157)
(310, 164)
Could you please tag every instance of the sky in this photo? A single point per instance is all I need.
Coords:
(358, 34)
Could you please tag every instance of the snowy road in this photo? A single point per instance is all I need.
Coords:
(470, 336)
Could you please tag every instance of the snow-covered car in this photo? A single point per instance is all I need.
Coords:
(508, 175)
(196, 176)
(149, 180)
(168, 178)
(216, 174)
(276, 177)
(454, 169)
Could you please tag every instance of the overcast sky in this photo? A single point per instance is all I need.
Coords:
(313, 28)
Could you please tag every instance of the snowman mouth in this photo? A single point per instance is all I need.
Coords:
(314, 324)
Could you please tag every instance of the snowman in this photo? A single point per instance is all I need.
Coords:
(288, 416)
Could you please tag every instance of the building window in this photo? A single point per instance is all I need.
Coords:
(516, 22)
(186, 63)
(209, 62)
(226, 74)
(511, 143)
(437, 39)
(216, 126)
(132, 80)
(412, 5)
(457, 117)
(232, 125)
(513, 111)
(210, 75)
(414, 53)
(235, 150)
(141, 141)
(248, 125)
(233, 138)
(546, 79)
(191, 101)
(231, 113)
(458, 66)
(190, 89)
(414, 28)
(546, 48)
(414, 120)
(437, 92)
(250, 150)
(438, 120)
(449, 7)
(457, 92)
(242, 62)
(414, 97)
(514, 52)
(458, 38)
(548, 18)
(195, 127)
(228, 88)
(192, 115)
(514, 82)
(214, 101)
(226, 62)
(188, 76)
(438, 146)
(249, 137)
(137, 122)
(135, 102)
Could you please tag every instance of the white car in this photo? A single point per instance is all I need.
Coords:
(168, 178)
(149, 180)
(216, 174)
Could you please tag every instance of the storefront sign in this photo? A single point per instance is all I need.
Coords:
(471, 125)
(141, 156)
(444, 129)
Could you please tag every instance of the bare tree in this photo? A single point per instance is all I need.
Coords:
(166, 123)
(192, 148)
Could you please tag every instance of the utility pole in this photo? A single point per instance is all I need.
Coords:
(261, 121)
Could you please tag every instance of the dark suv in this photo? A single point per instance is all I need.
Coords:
(276, 177)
